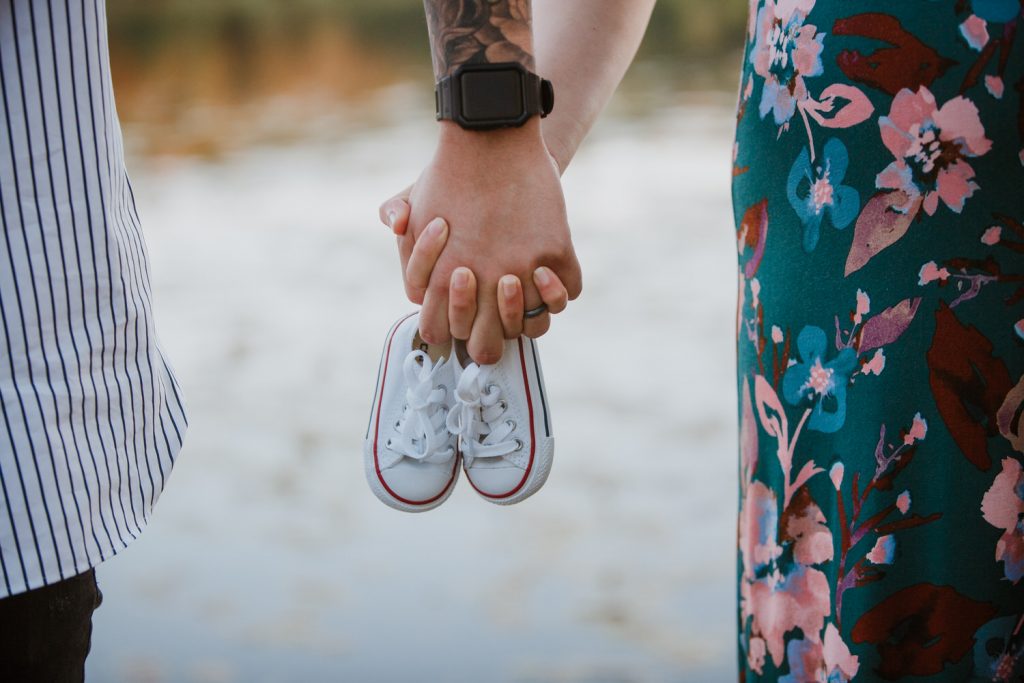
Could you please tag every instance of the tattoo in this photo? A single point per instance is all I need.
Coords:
(479, 31)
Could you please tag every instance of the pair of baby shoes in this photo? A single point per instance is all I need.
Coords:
(436, 412)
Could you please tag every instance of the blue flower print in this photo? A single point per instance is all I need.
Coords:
(814, 189)
(998, 11)
(822, 383)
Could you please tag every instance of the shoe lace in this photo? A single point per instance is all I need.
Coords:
(477, 416)
(422, 434)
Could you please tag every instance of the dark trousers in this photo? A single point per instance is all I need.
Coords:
(45, 633)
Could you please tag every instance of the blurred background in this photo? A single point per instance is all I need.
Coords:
(261, 136)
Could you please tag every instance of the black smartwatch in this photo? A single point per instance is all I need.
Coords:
(489, 96)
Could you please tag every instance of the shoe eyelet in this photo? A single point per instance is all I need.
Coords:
(511, 424)
(387, 444)
(504, 405)
(519, 444)
(398, 425)
(490, 386)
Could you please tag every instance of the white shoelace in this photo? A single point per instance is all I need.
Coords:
(477, 416)
(422, 434)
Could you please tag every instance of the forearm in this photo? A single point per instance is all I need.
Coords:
(584, 48)
(479, 31)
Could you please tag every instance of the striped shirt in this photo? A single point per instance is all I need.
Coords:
(91, 417)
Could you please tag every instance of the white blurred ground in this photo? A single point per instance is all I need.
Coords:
(268, 559)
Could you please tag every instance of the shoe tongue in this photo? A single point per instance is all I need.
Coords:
(436, 352)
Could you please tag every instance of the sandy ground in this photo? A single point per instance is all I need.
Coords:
(268, 558)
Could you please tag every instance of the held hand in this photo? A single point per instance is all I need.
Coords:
(505, 212)
(418, 263)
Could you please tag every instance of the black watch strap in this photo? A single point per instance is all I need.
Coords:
(489, 96)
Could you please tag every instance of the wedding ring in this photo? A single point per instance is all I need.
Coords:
(534, 312)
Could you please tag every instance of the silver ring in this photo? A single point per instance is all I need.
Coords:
(534, 312)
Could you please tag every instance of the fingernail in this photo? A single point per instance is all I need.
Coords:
(460, 278)
(508, 286)
(437, 228)
(543, 276)
(391, 219)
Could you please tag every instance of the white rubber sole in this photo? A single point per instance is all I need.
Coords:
(534, 482)
(377, 486)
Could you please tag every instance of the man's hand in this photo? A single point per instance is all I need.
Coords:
(462, 293)
(501, 199)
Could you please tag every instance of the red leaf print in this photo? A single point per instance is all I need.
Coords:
(969, 384)
(880, 225)
(920, 629)
(752, 233)
(909, 63)
(887, 326)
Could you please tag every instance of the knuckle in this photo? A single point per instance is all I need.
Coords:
(461, 305)
(415, 294)
(432, 336)
(537, 327)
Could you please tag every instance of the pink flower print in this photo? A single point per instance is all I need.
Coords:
(759, 521)
(918, 430)
(785, 52)
(992, 235)
(777, 334)
(863, 306)
(931, 145)
(780, 591)
(903, 502)
(836, 474)
(930, 272)
(838, 658)
(884, 550)
(875, 365)
(1003, 507)
(780, 603)
(975, 32)
(755, 655)
(813, 539)
(815, 661)
(994, 85)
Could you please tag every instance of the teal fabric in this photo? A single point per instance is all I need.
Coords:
(879, 203)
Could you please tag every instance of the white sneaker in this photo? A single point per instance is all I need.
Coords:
(411, 458)
(501, 418)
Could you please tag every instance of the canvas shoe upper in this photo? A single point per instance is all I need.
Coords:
(411, 458)
(501, 418)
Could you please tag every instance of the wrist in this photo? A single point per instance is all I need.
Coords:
(453, 136)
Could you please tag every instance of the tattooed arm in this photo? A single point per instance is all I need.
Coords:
(479, 31)
(498, 191)
(514, 219)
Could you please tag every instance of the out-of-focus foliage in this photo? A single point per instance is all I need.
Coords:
(682, 28)
(198, 76)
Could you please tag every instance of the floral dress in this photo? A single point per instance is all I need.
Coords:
(879, 204)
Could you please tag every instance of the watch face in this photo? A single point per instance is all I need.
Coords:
(492, 95)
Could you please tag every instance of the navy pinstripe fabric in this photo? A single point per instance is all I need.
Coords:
(91, 416)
